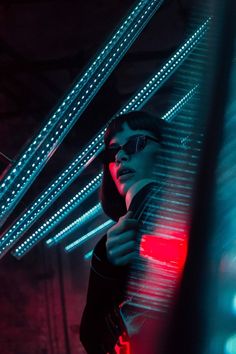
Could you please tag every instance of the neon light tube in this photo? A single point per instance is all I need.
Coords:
(75, 225)
(88, 255)
(68, 230)
(77, 166)
(34, 158)
(54, 220)
(73, 170)
(89, 235)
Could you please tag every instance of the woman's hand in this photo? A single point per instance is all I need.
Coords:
(121, 240)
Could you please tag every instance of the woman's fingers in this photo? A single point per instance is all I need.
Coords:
(125, 259)
(121, 249)
(121, 240)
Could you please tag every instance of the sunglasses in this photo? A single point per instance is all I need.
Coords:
(134, 144)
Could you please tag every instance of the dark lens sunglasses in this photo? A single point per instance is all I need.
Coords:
(134, 144)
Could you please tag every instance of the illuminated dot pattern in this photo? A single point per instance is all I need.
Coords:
(75, 225)
(141, 98)
(72, 172)
(89, 235)
(60, 184)
(53, 221)
(41, 149)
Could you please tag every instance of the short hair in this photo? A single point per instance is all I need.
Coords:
(112, 202)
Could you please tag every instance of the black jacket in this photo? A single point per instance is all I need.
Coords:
(107, 284)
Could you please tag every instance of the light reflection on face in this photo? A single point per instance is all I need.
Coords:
(142, 162)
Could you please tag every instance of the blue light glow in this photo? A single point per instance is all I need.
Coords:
(234, 305)
(32, 161)
(86, 237)
(88, 255)
(75, 225)
(56, 188)
(77, 166)
(230, 345)
(141, 98)
(52, 222)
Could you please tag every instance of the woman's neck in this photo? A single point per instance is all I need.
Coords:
(136, 187)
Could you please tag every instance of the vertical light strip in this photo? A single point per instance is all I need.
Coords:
(77, 166)
(54, 220)
(32, 161)
(103, 227)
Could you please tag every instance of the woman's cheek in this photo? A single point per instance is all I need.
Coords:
(112, 169)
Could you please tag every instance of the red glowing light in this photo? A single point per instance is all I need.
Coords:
(123, 345)
(169, 249)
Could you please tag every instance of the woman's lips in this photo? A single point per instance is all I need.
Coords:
(126, 176)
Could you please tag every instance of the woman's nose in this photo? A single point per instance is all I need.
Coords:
(121, 156)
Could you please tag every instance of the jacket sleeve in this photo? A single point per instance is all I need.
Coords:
(105, 293)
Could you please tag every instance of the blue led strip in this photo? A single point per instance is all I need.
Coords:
(57, 187)
(24, 248)
(141, 98)
(75, 168)
(88, 255)
(174, 110)
(86, 237)
(72, 172)
(23, 173)
(19, 251)
(75, 225)
(54, 220)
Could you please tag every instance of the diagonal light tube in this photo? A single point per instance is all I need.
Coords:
(55, 219)
(34, 158)
(31, 241)
(77, 166)
(103, 227)
(24, 248)
(75, 225)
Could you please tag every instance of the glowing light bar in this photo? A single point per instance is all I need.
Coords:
(174, 110)
(52, 222)
(77, 166)
(141, 98)
(59, 185)
(88, 255)
(230, 345)
(34, 158)
(89, 235)
(19, 251)
(75, 225)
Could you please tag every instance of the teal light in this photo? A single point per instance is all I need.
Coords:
(88, 255)
(230, 345)
(34, 158)
(103, 227)
(234, 305)
(77, 166)
(52, 222)
(174, 110)
(141, 98)
(57, 187)
(75, 225)
(14, 234)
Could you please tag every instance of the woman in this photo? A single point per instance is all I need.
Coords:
(133, 144)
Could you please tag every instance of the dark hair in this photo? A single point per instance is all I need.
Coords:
(112, 202)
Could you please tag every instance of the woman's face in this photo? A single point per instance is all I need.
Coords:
(140, 164)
